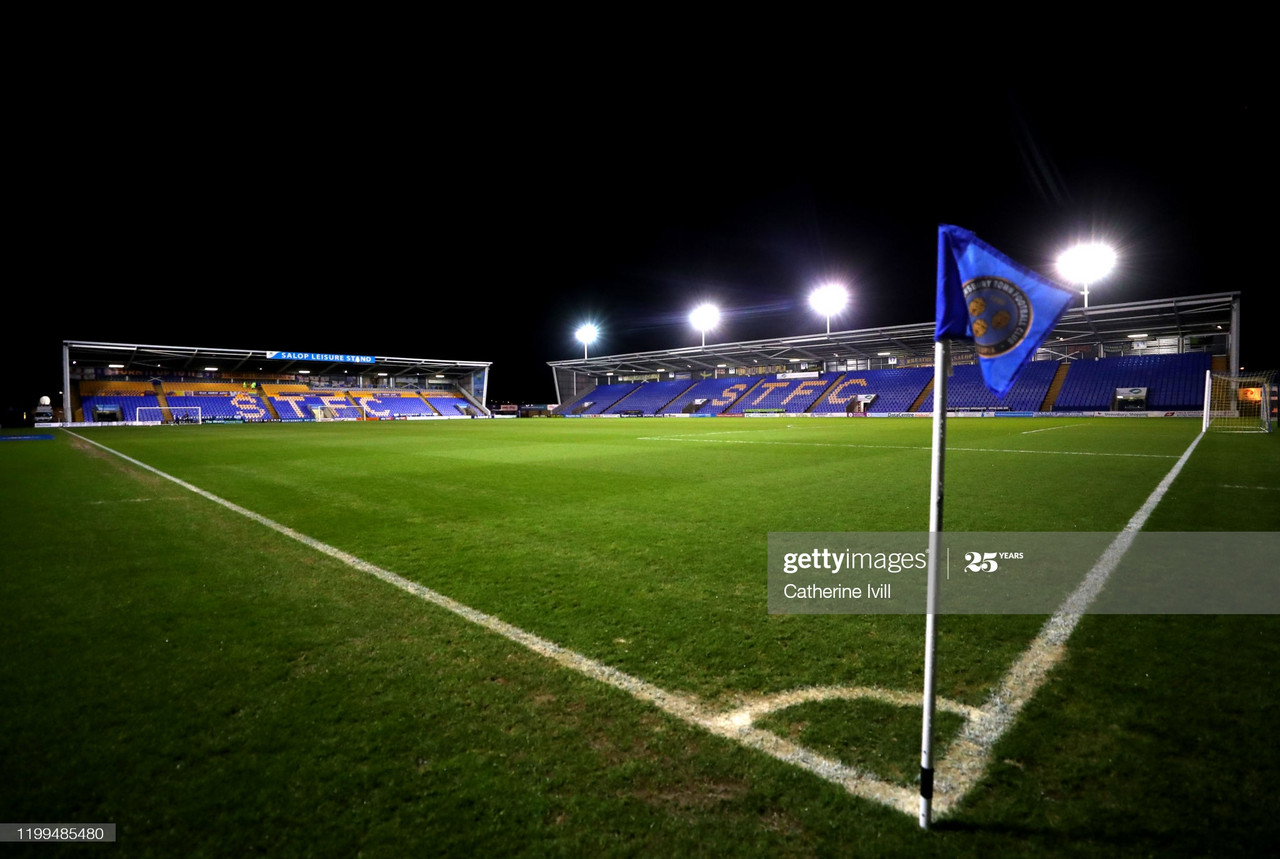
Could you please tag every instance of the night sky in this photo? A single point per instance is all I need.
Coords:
(483, 216)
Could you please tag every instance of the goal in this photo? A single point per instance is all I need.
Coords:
(178, 414)
(1239, 403)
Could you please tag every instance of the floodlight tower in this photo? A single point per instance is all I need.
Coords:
(586, 335)
(1086, 264)
(705, 317)
(829, 299)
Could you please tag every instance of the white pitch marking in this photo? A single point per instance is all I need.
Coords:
(684, 707)
(1051, 429)
(1263, 488)
(898, 446)
(957, 771)
(967, 757)
(753, 710)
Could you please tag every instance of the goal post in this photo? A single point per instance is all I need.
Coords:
(1238, 403)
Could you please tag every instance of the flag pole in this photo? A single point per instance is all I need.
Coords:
(941, 370)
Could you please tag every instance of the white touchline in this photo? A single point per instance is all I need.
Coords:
(957, 771)
(967, 757)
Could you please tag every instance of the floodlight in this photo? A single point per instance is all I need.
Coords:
(829, 299)
(586, 335)
(1086, 264)
(705, 317)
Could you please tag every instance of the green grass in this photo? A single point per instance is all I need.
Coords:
(217, 689)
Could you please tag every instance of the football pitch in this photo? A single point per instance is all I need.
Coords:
(551, 637)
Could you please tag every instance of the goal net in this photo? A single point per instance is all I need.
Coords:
(1239, 403)
(177, 414)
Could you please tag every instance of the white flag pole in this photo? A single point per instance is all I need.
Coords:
(941, 370)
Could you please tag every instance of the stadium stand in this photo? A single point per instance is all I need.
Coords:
(650, 397)
(388, 404)
(1173, 382)
(115, 401)
(215, 400)
(793, 396)
(599, 399)
(242, 406)
(116, 407)
(966, 390)
(710, 396)
(450, 406)
(895, 390)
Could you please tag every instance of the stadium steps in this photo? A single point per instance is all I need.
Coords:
(760, 381)
(663, 407)
(822, 398)
(924, 395)
(430, 405)
(623, 399)
(163, 401)
(1059, 378)
(479, 409)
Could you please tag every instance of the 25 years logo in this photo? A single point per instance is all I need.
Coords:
(988, 562)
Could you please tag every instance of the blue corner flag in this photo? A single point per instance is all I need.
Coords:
(1003, 308)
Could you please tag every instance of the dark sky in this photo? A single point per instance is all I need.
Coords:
(481, 213)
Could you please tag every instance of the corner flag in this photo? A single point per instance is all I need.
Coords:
(1005, 309)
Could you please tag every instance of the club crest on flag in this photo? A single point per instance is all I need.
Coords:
(999, 315)
(1005, 309)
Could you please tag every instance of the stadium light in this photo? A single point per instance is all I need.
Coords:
(586, 335)
(705, 317)
(829, 299)
(1085, 264)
